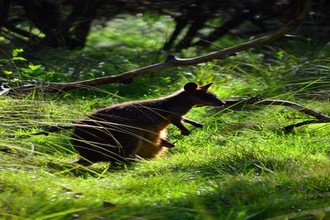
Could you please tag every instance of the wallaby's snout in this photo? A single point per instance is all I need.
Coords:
(219, 103)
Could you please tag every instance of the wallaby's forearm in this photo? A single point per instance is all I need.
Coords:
(194, 123)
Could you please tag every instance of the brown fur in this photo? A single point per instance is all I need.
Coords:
(123, 131)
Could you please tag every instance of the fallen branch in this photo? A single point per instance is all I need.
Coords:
(319, 117)
(171, 61)
(230, 104)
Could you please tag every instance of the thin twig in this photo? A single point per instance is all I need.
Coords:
(319, 117)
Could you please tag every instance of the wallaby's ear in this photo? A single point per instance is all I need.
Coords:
(206, 87)
(190, 86)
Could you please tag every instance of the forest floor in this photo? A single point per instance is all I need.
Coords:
(239, 166)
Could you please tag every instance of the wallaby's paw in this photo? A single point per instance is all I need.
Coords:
(198, 125)
(185, 132)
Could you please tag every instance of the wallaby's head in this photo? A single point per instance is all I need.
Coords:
(200, 96)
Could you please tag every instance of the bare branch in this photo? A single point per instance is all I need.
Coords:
(172, 61)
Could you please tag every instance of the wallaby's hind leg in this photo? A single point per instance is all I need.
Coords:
(165, 143)
(194, 123)
(96, 144)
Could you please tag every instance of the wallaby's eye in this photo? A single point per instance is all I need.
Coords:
(190, 86)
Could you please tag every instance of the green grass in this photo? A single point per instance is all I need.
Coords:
(239, 166)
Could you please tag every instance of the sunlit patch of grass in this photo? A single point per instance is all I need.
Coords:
(142, 34)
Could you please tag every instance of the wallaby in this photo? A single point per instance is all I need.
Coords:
(124, 131)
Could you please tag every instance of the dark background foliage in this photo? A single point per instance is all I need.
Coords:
(66, 23)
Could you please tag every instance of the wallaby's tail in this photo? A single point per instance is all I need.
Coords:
(54, 129)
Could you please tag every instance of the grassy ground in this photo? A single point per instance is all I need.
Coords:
(239, 166)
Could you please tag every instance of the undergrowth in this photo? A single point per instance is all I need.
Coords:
(239, 166)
